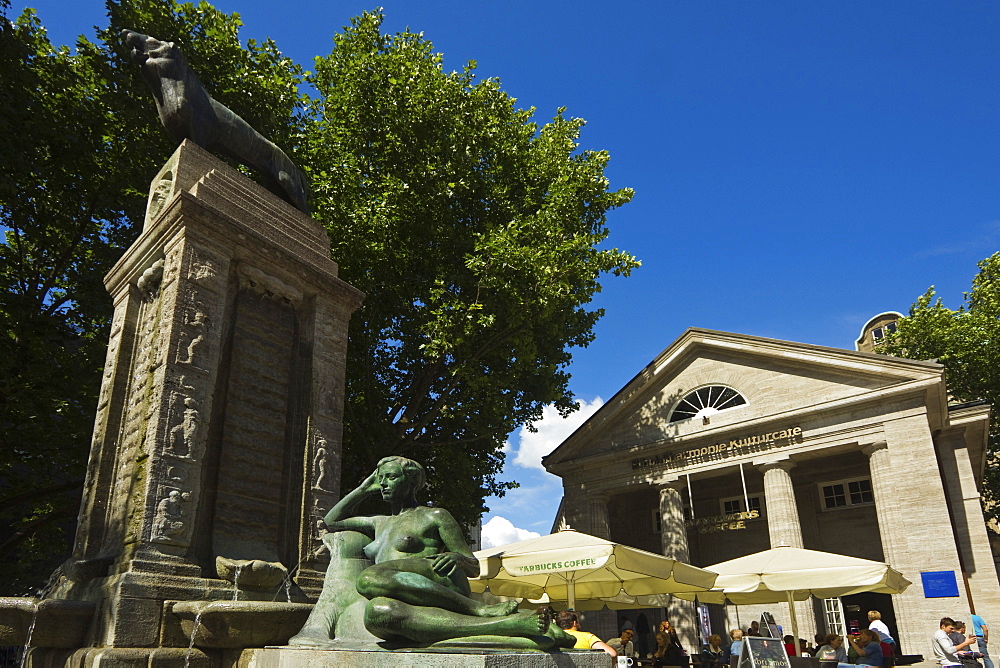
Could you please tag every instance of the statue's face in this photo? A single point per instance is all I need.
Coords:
(394, 483)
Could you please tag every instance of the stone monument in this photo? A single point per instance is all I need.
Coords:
(201, 538)
(217, 441)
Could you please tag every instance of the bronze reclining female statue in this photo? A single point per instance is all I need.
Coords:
(417, 591)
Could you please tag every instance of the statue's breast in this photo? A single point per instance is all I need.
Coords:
(407, 544)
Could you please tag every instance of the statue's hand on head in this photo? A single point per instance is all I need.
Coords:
(370, 485)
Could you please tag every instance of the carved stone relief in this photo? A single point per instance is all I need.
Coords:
(267, 285)
(169, 519)
(200, 266)
(181, 438)
(193, 333)
(136, 408)
(320, 473)
(159, 195)
(112, 357)
(149, 282)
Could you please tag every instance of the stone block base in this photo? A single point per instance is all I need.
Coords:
(293, 657)
(120, 657)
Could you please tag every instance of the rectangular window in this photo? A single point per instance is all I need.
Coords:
(877, 335)
(861, 491)
(891, 327)
(846, 493)
(833, 496)
(736, 504)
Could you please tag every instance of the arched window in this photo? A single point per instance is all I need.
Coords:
(706, 401)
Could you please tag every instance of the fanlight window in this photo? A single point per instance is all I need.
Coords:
(706, 401)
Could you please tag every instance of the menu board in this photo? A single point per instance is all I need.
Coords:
(763, 653)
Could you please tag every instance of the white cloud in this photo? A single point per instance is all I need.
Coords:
(551, 431)
(499, 531)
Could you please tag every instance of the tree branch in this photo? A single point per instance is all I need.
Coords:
(31, 528)
(39, 493)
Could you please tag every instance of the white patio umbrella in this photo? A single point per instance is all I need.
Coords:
(787, 574)
(621, 601)
(571, 566)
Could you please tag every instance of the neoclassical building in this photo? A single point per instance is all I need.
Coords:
(728, 444)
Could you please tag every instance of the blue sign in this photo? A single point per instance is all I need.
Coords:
(938, 584)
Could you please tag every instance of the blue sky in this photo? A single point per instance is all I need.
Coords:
(798, 166)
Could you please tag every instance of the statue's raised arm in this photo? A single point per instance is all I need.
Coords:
(187, 111)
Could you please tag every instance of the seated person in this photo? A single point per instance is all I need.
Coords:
(714, 655)
(832, 649)
(569, 622)
(623, 645)
(868, 649)
(736, 648)
(418, 588)
(789, 645)
(660, 654)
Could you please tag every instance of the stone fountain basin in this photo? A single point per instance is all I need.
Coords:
(58, 623)
(240, 624)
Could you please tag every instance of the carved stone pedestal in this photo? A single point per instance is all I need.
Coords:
(217, 441)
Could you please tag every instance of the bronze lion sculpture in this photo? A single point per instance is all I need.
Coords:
(187, 111)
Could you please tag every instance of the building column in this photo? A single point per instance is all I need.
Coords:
(586, 510)
(673, 534)
(784, 528)
(882, 483)
(779, 502)
(597, 506)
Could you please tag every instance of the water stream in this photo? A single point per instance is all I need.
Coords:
(194, 631)
(31, 630)
(236, 583)
(286, 583)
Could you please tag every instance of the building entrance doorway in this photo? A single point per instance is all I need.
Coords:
(856, 607)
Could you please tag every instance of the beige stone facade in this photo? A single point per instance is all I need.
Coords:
(841, 451)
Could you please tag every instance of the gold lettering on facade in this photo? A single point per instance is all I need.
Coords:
(731, 522)
(732, 448)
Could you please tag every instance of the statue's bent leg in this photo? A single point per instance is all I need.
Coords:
(413, 581)
(391, 619)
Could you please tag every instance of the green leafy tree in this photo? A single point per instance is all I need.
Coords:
(475, 234)
(79, 142)
(967, 342)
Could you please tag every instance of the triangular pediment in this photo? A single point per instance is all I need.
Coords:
(774, 377)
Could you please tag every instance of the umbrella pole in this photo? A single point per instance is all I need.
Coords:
(795, 621)
(571, 592)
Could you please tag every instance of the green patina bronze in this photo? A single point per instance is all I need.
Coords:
(412, 588)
